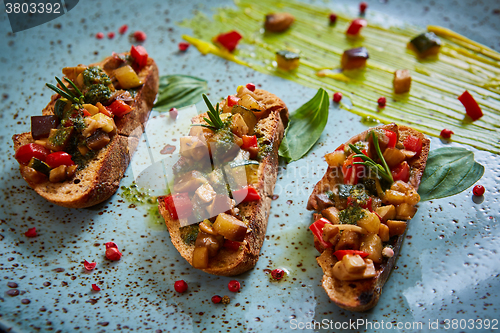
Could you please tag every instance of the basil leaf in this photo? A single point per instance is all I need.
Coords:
(449, 171)
(305, 127)
(178, 91)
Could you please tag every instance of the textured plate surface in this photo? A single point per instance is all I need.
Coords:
(448, 267)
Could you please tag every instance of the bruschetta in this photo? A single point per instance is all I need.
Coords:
(79, 148)
(364, 203)
(219, 205)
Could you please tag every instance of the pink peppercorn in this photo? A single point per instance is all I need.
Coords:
(183, 46)
(123, 29)
(99, 35)
(250, 86)
(332, 18)
(382, 101)
(478, 190)
(337, 97)
(446, 133)
(140, 36)
(180, 286)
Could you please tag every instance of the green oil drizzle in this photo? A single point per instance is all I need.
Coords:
(139, 196)
(436, 83)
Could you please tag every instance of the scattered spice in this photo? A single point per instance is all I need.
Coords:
(382, 101)
(99, 35)
(333, 19)
(277, 274)
(478, 190)
(140, 36)
(446, 133)
(183, 46)
(89, 265)
(180, 286)
(123, 29)
(31, 232)
(216, 299)
(173, 113)
(234, 286)
(337, 97)
(95, 287)
(250, 86)
(225, 299)
(111, 35)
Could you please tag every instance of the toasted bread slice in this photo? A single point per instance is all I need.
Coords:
(100, 179)
(362, 295)
(227, 262)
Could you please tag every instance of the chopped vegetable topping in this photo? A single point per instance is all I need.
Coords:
(471, 107)
(478, 190)
(354, 58)
(140, 56)
(26, 152)
(234, 286)
(180, 286)
(317, 230)
(31, 232)
(426, 44)
(351, 215)
(287, 60)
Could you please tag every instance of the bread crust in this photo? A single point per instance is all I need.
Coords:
(362, 295)
(226, 262)
(100, 179)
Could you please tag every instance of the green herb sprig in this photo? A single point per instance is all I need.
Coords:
(214, 123)
(382, 170)
(75, 96)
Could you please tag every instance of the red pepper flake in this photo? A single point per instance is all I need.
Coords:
(180, 286)
(333, 18)
(382, 101)
(31, 232)
(234, 286)
(183, 46)
(446, 133)
(232, 100)
(140, 36)
(111, 35)
(337, 97)
(277, 273)
(478, 190)
(362, 7)
(216, 299)
(89, 265)
(173, 113)
(123, 29)
(95, 287)
(99, 35)
(250, 86)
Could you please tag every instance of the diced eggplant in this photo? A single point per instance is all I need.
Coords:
(98, 140)
(405, 211)
(287, 60)
(238, 125)
(58, 174)
(193, 147)
(230, 227)
(332, 214)
(372, 244)
(59, 139)
(354, 263)
(386, 212)
(402, 81)
(278, 22)
(39, 166)
(71, 171)
(354, 58)
(32, 176)
(205, 193)
(396, 227)
(211, 242)
(349, 240)
(393, 157)
(41, 126)
(200, 257)
(426, 44)
(331, 234)
(383, 232)
(189, 182)
(220, 204)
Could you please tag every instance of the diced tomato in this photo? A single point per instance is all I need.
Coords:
(341, 147)
(26, 152)
(231, 245)
(471, 107)
(179, 205)
(59, 158)
(355, 26)
(119, 108)
(351, 171)
(232, 100)
(393, 138)
(247, 193)
(229, 40)
(86, 113)
(401, 172)
(413, 143)
(140, 55)
(250, 144)
(341, 253)
(317, 230)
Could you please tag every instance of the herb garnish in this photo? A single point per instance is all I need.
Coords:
(351, 215)
(214, 123)
(74, 96)
(384, 170)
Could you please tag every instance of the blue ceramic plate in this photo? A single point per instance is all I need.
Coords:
(446, 276)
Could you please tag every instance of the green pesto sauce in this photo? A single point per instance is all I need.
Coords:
(431, 104)
(95, 75)
(97, 93)
(137, 195)
(351, 215)
(189, 233)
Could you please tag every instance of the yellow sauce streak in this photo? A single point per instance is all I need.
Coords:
(430, 106)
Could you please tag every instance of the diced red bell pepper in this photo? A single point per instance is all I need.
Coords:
(232, 100)
(231, 245)
(86, 113)
(179, 205)
(401, 172)
(355, 26)
(119, 108)
(59, 158)
(26, 152)
(351, 171)
(229, 40)
(341, 253)
(393, 138)
(471, 107)
(413, 143)
(140, 55)
(247, 193)
(317, 230)
(250, 144)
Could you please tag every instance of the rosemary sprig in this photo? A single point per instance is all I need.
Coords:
(66, 93)
(382, 170)
(214, 123)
